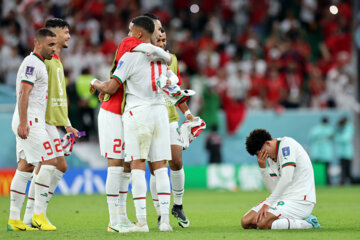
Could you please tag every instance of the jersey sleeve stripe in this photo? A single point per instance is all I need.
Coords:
(28, 82)
(288, 164)
(117, 79)
(273, 175)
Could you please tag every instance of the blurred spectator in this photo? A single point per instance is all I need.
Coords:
(317, 88)
(321, 150)
(213, 145)
(87, 102)
(344, 135)
(10, 67)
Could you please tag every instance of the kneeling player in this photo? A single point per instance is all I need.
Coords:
(289, 177)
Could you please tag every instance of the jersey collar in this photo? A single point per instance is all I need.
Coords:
(277, 150)
(38, 56)
(56, 56)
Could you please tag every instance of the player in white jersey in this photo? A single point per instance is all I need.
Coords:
(288, 174)
(146, 126)
(28, 124)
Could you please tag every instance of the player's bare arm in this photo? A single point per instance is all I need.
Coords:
(186, 111)
(109, 87)
(23, 128)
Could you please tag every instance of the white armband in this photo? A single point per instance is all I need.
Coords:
(187, 112)
(93, 82)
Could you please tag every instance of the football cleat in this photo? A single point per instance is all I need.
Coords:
(40, 221)
(313, 221)
(137, 227)
(178, 212)
(18, 225)
(120, 228)
(165, 227)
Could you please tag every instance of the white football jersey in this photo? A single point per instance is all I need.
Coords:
(33, 71)
(289, 153)
(139, 71)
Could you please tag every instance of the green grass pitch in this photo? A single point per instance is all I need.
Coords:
(213, 215)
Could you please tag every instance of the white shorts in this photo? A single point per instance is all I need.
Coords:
(147, 133)
(55, 139)
(37, 147)
(174, 134)
(292, 209)
(111, 135)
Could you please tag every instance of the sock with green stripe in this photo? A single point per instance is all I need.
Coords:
(112, 193)
(154, 195)
(42, 183)
(163, 190)
(29, 210)
(123, 192)
(55, 179)
(17, 193)
(139, 194)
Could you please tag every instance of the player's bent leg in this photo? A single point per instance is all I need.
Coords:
(266, 222)
(248, 221)
(177, 176)
(42, 183)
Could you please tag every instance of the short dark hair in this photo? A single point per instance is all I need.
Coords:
(56, 23)
(152, 16)
(256, 140)
(144, 22)
(44, 32)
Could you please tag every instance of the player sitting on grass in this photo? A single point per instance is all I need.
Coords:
(288, 174)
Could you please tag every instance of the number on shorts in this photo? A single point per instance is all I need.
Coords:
(47, 147)
(153, 74)
(58, 147)
(118, 145)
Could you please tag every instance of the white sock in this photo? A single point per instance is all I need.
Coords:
(285, 223)
(17, 193)
(178, 183)
(112, 193)
(163, 190)
(30, 201)
(123, 192)
(139, 194)
(154, 195)
(42, 183)
(55, 179)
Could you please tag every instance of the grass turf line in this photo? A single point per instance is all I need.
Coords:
(213, 215)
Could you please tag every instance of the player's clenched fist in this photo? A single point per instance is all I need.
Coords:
(23, 130)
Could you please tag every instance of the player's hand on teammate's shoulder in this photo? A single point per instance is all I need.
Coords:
(70, 129)
(23, 130)
(261, 158)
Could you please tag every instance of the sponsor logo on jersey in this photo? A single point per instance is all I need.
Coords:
(286, 151)
(29, 71)
(120, 64)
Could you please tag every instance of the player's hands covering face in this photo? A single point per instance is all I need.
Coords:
(262, 155)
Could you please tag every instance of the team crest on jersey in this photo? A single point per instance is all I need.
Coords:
(286, 151)
(29, 71)
(120, 64)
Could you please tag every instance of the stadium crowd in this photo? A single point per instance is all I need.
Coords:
(237, 54)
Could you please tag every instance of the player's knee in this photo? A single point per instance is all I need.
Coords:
(175, 164)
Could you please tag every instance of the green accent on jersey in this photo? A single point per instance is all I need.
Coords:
(280, 203)
(173, 115)
(277, 149)
(118, 79)
(39, 57)
(289, 164)
(24, 81)
(57, 105)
